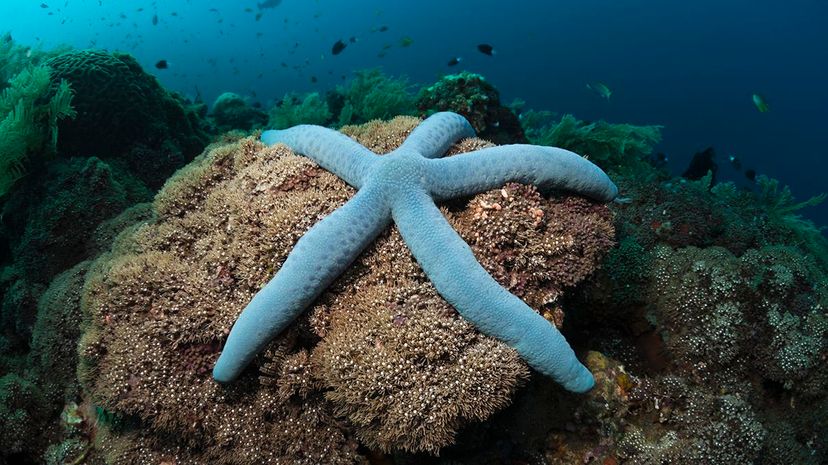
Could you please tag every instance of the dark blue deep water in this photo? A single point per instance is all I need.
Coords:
(158, 306)
(690, 66)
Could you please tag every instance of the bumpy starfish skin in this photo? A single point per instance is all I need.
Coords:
(402, 186)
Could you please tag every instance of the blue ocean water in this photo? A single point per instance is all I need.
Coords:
(690, 66)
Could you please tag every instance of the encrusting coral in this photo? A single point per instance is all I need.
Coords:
(402, 187)
(721, 311)
(159, 307)
(49, 225)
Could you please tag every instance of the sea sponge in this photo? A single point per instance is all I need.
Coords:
(159, 307)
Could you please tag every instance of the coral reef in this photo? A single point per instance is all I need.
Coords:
(16, 57)
(159, 307)
(714, 300)
(620, 148)
(49, 225)
(30, 110)
(372, 95)
(478, 101)
(23, 413)
(386, 360)
(293, 110)
(53, 356)
(539, 263)
(403, 186)
(142, 133)
(709, 313)
(29, 403)
(232, 111)
(127, 110)
(725, 311)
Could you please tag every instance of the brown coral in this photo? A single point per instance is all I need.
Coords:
(536, 247)
(407, 371)
(160, 305)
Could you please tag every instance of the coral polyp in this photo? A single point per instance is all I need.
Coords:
(402, 186)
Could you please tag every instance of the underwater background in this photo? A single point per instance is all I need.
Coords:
(140, 212)
(689, 66)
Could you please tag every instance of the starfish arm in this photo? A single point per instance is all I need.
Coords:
(330, 149)
(318, 258)
(458, 277)
(546, 167)
(437, 133)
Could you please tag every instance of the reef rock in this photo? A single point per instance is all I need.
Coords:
(380, 359)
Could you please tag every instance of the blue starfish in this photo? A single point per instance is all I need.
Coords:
(403, 186)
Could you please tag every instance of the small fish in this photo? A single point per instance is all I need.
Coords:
(269, 4)
(313, 79)
(486, 49)
(601, 89)
(760, 103)
(162, 64)
(258, 16)
(338, 47)
(43, 5)
(154, 20)
(737, 164)
(406, 41)
(751, 175)
(352, 40)
(454, 61)
(383, 28)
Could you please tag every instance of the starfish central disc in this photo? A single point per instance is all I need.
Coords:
(399, 172)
